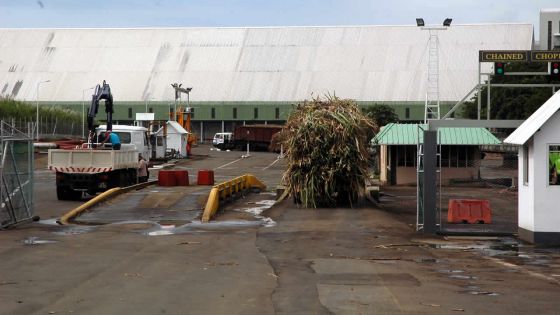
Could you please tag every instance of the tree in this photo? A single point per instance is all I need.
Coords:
(381, 114)
(508, 102)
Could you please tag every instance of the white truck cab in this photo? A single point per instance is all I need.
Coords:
(129, 136)
(221, 138)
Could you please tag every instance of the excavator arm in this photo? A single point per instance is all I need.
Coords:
(102, 92)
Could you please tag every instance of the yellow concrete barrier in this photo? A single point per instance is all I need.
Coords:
(226, 190)
(69, 216)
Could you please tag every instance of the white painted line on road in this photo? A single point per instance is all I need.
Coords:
(527, 271)
(217, 168)
(275, 161)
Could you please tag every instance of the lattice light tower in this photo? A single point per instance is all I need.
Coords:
(432, 105)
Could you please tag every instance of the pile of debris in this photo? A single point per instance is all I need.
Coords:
(326, 147)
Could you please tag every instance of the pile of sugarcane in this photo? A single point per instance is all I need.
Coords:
(325, 142)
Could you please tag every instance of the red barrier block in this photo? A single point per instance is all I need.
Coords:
(181, 177)
(205, 177)
(469, 211)
(166, 178)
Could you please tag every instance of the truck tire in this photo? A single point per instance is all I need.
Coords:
(61, 193)
(133, 176)
(74, 195)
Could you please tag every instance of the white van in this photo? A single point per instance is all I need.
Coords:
(221, 139)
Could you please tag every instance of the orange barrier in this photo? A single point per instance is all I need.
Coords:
(469, 211)
(167, 178)
(181, 177)
(205, 177)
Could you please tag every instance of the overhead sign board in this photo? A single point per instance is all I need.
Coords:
(504, 56)
(519, 56)
(545, 56)
(145, 116)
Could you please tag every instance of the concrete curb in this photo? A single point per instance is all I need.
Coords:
(69, 216)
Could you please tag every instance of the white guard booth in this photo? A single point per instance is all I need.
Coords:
(176, 137)
(539, 180)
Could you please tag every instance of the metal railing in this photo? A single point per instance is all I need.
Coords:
(228, 190)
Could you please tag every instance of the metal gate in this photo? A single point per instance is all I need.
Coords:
(16, 176)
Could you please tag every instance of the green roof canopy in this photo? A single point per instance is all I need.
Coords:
(411, 134)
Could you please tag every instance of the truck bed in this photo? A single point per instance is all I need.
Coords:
(91, 160)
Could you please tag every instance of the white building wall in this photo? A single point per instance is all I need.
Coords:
(178, 142)
(526, 199)
(546, 197)
(549, 15)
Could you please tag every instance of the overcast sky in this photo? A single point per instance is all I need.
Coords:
(177, 13)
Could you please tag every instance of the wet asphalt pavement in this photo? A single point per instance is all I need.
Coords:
(284, 260)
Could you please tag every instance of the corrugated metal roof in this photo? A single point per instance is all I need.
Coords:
(411, 134)
(365, 63)
(528, 128)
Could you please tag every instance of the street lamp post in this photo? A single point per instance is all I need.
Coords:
(37, 101)
(84, 111)
(148, 99)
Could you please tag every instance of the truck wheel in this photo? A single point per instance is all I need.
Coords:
(74, 195)
(61, 193)
(133, 177)
(125, 178)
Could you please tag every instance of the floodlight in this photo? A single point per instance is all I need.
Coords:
(447, 22)
(420, 22)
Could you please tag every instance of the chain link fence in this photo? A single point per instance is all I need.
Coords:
(48, 127)
(487, 173)
(16, 176)
(464, 172)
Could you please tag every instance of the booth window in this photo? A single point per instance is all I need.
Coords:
(554, 164)
(406, 155)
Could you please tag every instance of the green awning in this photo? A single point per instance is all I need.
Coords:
(412, 134)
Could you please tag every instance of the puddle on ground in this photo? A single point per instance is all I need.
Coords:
(471, 287)
(74, 230)
(510, 249)
(451, 271)
(486, 293)
(462, 277)
(427, 261)
(34, 240)
(197, 226)
(153, 228)
(260, 207)
(53, 221)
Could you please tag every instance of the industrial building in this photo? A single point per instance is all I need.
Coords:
(247, 75)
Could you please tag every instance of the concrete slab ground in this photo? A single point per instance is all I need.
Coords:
(366, 260)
